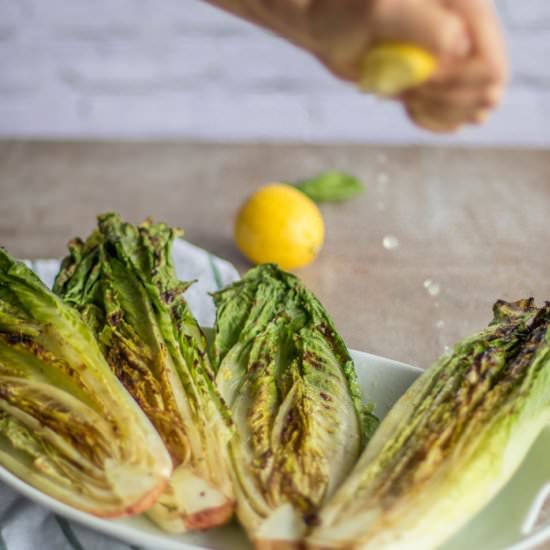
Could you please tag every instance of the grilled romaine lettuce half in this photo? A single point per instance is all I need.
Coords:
(291, 386)
(67, 425)
(451, 441)
(123, 282)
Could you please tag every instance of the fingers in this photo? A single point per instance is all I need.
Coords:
(464, 35)
(449, 109)
(482, 97)
(464, 91)
(427, 23)
(482, 22)
(448, 112)
(429, 121)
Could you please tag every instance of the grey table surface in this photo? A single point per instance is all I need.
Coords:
(476, 223)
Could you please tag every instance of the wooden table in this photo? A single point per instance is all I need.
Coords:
(474, 223)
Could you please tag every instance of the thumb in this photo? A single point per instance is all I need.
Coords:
(425, 23)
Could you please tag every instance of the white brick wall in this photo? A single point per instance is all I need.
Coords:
(180, 68)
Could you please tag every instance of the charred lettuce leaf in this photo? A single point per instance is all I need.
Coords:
(451, 441)
(123, 282)
(291, 386)
(67, 426)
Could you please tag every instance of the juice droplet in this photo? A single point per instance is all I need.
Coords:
(432, 287)
(390, 242)
(382, 180)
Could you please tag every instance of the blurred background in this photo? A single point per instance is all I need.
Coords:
(182, 69)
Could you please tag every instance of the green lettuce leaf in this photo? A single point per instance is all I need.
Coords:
(451, 441)
(123, 281)
(67, 426)
(291, 385)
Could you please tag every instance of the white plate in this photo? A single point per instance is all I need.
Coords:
(498, 526)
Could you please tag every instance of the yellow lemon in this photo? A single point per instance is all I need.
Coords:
(279, 224)
(390, 68)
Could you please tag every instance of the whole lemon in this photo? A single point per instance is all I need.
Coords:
(279, 224)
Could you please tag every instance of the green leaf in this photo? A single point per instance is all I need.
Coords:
(370, 422)
(452, 440)
(331, 186)
(292, 388)
(67, 426)
(123, 282)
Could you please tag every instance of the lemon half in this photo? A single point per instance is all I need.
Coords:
(390, 68)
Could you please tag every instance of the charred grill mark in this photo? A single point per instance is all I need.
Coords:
(154, 240)
(261, 462)
(311, 520)
(290, 484)
(312, 360)
(288, 426)
(329, 334)
(24, 339)
(525, 357)
(147, 390)
(135, 376)
(41, 353)
(324, 396)
(480, 384)
(115, 318)
(75, 243)
(157, 254)
(81, 434)
(418, 456)
(209, 374)
(169, 295)
(255, 366)
(511, 311)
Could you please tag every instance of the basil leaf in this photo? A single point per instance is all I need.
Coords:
(331, 186)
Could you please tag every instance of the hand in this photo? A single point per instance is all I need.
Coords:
(472, 68)
(464, 35)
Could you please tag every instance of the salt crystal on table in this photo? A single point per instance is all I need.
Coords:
(390, 242)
